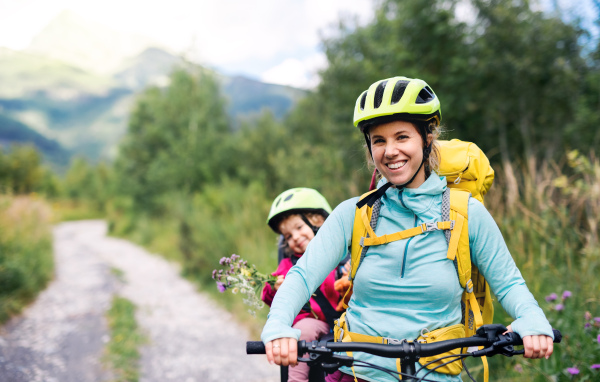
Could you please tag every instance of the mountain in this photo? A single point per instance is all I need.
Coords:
(15, 132)
(150, 67)
(77, 82)
(247, 96)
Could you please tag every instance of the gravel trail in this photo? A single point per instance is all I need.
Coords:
(61, 336)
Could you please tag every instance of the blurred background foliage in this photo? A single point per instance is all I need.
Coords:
(194, 185)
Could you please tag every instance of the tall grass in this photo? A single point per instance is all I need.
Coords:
(549, 214)
(26, 262)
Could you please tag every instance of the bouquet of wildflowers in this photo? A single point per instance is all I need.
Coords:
(239, 277)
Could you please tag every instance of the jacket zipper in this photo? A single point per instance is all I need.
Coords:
(408, 242)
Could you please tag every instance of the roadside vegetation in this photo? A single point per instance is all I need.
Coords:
(26, 262)
(122, 350)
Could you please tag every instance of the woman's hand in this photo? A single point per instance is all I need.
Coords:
(539, 346)
(278, 282)
(282, 351)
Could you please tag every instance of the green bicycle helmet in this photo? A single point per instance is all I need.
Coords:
(297, 200)
(396, 98)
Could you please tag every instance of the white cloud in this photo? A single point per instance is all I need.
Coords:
(297, 73)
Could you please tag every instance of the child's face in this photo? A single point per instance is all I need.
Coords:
(296, 233)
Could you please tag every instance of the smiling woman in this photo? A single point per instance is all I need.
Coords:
(405, 284)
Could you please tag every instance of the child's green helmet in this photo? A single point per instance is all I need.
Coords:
(297, 200)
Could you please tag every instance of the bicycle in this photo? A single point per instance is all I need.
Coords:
(323, 354)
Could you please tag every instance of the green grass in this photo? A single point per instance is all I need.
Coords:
(26, 261)
(122, 351)
(68, 210)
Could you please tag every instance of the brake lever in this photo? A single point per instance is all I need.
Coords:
(340, 360)
(504, 346)
(328, 362)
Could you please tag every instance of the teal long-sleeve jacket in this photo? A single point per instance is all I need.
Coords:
(408, 285)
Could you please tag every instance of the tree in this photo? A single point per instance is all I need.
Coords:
(176, 140)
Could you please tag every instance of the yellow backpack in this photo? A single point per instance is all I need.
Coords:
(469, 174)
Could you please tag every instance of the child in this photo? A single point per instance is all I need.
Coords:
(297, 214)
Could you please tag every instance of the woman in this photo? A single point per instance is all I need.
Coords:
(409, 285)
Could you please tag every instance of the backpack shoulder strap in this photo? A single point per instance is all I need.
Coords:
(363, 227)
(475, 314)
(458, 245)
(365, 222)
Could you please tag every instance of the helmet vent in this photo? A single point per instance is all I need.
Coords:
(278, 201)
(288, 197)
(379, 94)
(398, 92)
(363, 100)
(425, 95)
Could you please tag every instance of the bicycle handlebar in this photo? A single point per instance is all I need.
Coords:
(489, 337)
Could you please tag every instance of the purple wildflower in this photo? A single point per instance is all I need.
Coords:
(597, 320)
(551, 297)
(222, 288)
(595, 366)
(234, 257)
(214, 274)
(223, 260)
(559, 307)
(598, 338)
(518, 368)
(566, 294)
(573, 370)
(587, 325)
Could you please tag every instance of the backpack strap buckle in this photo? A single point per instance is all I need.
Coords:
(469, 286)
(392, 341)
(341, 338)
(431, 226)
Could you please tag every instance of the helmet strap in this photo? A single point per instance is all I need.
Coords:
(309, 224)
(368, 140)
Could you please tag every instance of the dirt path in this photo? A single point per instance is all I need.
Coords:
(61, 336)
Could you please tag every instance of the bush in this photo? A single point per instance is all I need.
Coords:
(26, 262)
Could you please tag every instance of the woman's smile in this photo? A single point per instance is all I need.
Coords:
(396, 165)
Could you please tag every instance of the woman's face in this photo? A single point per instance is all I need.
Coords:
(296, 233)
(397, 149)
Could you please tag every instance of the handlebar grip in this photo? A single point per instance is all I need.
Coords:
(557, 336)
(255, 347)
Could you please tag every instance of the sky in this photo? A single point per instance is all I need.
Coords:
(276, 41)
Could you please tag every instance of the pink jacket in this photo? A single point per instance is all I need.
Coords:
(327, 288)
